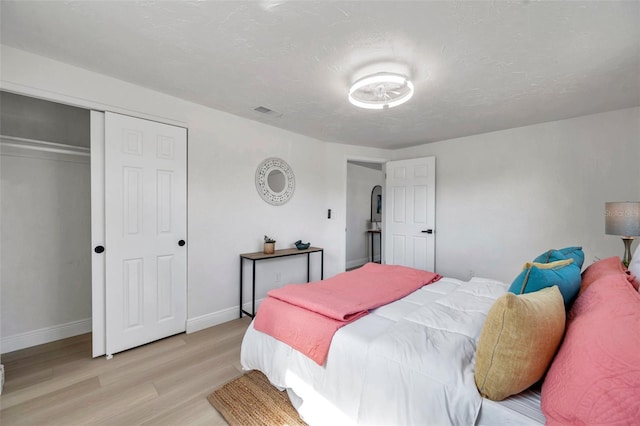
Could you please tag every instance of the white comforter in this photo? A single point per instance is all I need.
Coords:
(410, 362)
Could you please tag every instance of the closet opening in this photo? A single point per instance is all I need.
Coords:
(45, 233)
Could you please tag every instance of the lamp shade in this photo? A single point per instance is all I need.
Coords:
(622, 218)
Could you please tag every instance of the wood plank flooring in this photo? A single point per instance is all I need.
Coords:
(162, 383)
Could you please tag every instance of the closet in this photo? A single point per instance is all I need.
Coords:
(93, 235)
(45, 229)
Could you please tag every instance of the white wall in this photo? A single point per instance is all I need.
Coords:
(360, 183)
(226, 216)
(504, 197)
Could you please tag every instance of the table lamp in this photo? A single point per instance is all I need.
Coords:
(623, 218)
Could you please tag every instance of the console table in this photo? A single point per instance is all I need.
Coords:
(373, 232)
(257, 256)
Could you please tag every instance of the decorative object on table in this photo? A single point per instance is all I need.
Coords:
(302, 246)
(269, 245)
(623, 219)
(275, 181)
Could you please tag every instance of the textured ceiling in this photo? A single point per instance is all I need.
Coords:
(477, 66)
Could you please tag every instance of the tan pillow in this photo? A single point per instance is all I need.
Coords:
(518, 341)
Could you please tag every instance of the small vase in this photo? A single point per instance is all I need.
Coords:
(269, 248)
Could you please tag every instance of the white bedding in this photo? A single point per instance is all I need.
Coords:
(522, 409)
(409, 362)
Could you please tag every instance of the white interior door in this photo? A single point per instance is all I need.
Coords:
(145, 231)
(409, 218)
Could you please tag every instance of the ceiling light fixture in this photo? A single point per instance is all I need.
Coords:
(381, 91)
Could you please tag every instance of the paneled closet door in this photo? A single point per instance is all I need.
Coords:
(145, 231)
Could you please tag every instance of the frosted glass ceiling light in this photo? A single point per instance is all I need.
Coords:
(381, 91)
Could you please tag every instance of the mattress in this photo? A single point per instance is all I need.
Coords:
(360, 383)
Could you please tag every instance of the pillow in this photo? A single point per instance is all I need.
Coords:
(518, 341)
(574, 253)
(604, 268)
(634, 266)
(595, 377)
(536, 276)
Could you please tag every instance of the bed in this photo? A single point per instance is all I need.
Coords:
(411, 361)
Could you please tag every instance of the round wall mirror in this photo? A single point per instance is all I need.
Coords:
(275, 181)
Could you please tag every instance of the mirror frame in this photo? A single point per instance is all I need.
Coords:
(262, 183)
(376, 204)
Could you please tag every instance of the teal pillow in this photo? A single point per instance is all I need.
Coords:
(574, 253)
(536, 276)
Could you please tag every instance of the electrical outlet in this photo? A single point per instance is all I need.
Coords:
(277, 278)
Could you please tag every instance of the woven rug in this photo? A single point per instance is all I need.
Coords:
(250, 400)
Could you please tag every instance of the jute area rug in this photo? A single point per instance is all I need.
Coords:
(250, 400)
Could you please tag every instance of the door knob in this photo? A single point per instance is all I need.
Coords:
(99, 249)
(181, 243)
(428, 231)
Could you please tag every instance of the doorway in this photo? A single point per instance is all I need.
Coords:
(46, 221)
(362, 177)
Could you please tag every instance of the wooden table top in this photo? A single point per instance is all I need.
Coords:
(279, 253)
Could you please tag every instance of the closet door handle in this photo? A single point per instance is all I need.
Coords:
(181, 243)
(99, 249)
(428, 231)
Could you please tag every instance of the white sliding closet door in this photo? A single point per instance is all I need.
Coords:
(145, 217)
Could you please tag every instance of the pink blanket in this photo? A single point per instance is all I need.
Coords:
(306, 316)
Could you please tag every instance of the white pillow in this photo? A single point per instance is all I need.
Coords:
(634, 266)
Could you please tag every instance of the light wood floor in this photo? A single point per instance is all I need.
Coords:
(162, 383)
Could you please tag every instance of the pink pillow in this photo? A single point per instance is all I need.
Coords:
(595, 376)
(603, 268)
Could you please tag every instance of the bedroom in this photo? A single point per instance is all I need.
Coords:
(516, 191)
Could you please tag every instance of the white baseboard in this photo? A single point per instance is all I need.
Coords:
(44, 335)
(215, 318)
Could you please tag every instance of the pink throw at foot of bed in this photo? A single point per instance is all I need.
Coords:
(306, 316)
